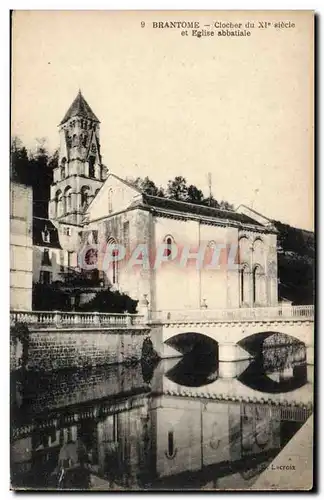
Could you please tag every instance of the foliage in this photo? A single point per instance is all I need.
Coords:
(147, 186)
(110, 301)
(177, 189)
(20, 332)
(195, 195)
(35, 169)
(296, 263)
(50, 298)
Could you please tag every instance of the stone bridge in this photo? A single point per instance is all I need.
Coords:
(232, 329)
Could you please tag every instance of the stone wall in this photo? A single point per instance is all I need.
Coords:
(55, 350)
(72, 387)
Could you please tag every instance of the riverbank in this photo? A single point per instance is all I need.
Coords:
(292, 469)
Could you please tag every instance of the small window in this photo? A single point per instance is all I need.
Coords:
(46, 261)
(46, 235)
(46, 277)
(171, 451)
(52, 434)
(67, 231)
(69, 259)
(168, 250)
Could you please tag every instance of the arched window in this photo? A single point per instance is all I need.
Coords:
(63, 169)
(67, 199)
(92, 160)
(85, 192)
(74, 140)
(244, 249)
(171, 451)
(168, 240)
(258, 252)
(58, 203)
(114, 253)
(244, 285)
(257, 285)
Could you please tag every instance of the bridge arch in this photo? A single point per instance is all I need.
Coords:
(186, 341)
(199, 364)
(255, 342)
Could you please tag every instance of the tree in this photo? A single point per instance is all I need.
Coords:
(225, 205)
(19, 162)
(210, 202)
(110, 301)
(195, 195)
(34, 169)
(177, 189)
(147, 186)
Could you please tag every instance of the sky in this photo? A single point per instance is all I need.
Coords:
(240, 108)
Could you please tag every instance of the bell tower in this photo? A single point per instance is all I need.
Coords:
(80, 172)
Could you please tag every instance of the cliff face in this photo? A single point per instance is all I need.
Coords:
(296, 264)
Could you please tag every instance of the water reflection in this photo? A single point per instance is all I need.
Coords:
(177, 426)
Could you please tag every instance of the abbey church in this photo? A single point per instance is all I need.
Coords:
(91, 205)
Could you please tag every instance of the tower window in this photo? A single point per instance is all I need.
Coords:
(85, 191)
(63, 168)
(92, 160)
(67, 199)
(58, 203)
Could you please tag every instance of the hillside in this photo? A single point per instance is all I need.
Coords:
(296, 264)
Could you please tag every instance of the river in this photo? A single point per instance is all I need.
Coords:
(177, 425)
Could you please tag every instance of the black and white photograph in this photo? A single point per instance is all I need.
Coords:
(162, 250)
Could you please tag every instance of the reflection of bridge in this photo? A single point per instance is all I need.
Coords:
(232, 389)
(230, 327)
(159, 434)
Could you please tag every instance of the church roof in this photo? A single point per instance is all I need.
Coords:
(165, 204)
(79, 107)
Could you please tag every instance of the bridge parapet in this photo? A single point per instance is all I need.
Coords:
(59, 319)
(291, 313)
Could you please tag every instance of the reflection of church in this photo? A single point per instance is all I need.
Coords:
(135, 434)
(89, 204)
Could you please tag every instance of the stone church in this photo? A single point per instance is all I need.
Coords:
(91, 206)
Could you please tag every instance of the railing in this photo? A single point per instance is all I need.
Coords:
(243, 314)
(60, 318)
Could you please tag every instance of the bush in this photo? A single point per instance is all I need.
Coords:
(110, 301)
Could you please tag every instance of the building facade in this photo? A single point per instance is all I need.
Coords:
(152, 248)
(21, 246)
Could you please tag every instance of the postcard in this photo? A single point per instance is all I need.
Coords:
(162, 250)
